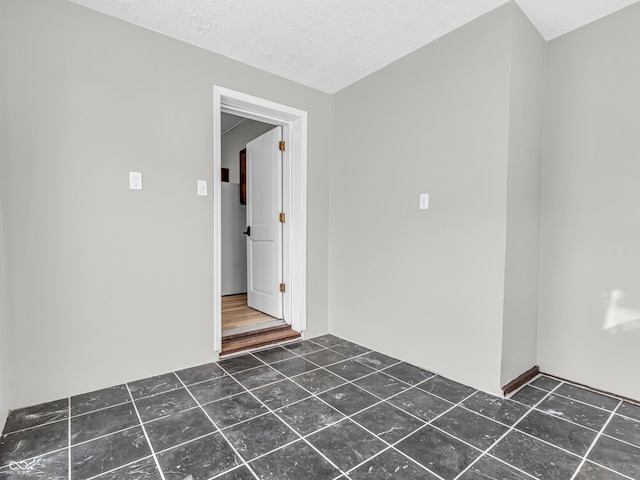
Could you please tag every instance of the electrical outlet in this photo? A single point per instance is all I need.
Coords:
(135, 180)
(424, 201)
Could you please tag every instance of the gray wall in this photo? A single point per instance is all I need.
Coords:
(233, 222)
(236, 140)
(425, 286)
(591, 194)
(4, 342)
(523, 199)
(108, 284)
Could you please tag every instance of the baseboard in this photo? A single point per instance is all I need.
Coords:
(515, 384)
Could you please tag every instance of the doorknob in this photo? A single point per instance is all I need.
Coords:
(248, 232)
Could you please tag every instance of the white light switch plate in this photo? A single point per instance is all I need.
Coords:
(202, 188)
(424, 201)
(135, 180)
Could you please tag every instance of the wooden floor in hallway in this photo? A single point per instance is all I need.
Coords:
(237, 314)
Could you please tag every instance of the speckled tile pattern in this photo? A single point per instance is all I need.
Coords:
(322, 409)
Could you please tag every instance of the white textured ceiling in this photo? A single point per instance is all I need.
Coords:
(329, 44)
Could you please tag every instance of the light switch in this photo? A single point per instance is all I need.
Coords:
(202, 188)
(424, 201)
(135, 180)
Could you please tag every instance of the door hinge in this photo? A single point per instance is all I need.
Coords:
(281, 217)
(282, 288)
(281, 146)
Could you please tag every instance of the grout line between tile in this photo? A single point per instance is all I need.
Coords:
(97, 477)
(144, 430)
(510, 429)
(235, 451)
(595, 440)
(288, 426)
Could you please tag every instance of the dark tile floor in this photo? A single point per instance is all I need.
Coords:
(322, 409)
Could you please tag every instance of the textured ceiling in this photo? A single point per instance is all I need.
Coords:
(330, 44)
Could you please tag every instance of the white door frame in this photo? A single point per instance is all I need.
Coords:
(294, 199)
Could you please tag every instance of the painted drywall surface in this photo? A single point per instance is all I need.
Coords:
(4, 341)
(236, 140)
(108, 284)
(590, 219)
(425, 286)
(234, 247)
(519, 336)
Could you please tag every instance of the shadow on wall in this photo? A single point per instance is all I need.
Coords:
(618, 319)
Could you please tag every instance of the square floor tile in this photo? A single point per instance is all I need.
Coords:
(381, 385)
(108, 453)
(487, 468)
(470, 427)
(257, 377)
(200, 373)
(624, 429)
(276, 354)
(529, 395)
(618, 456)
(52, 466)
(102, 422)
(350, 369)
(309, 415)
(421, 404)
(232, 410)
(448, 389)
(377, 360)
(28, 417)
(387, 422)
(350, 349)
(319, 381)
(348, 399)
(324, 357)
(591, 471)
(294, 366)
(577, 412)
(178, 428)
(240, 363)
(297, 461)
(107, 397)
(545, 383)
(144, 469)
(164, 404)
(408, 373)
(154, 385)
(438, 452)
(327, 340)
(280, 394)
(535, 457)
(629, 410)
(587, 396)
(346, 444)
(566, 435)
(33, 442)
(199, 459)
(391, 464)
(215, 389)
(500, 409)
(302, 348)
(259, 435)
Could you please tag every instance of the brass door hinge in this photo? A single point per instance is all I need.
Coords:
(282, 287)
(281, 146)
(281, 217)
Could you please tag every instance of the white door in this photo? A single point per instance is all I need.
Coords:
(264, 230)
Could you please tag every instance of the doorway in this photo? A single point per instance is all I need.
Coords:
(293, 123)
(251, 233)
